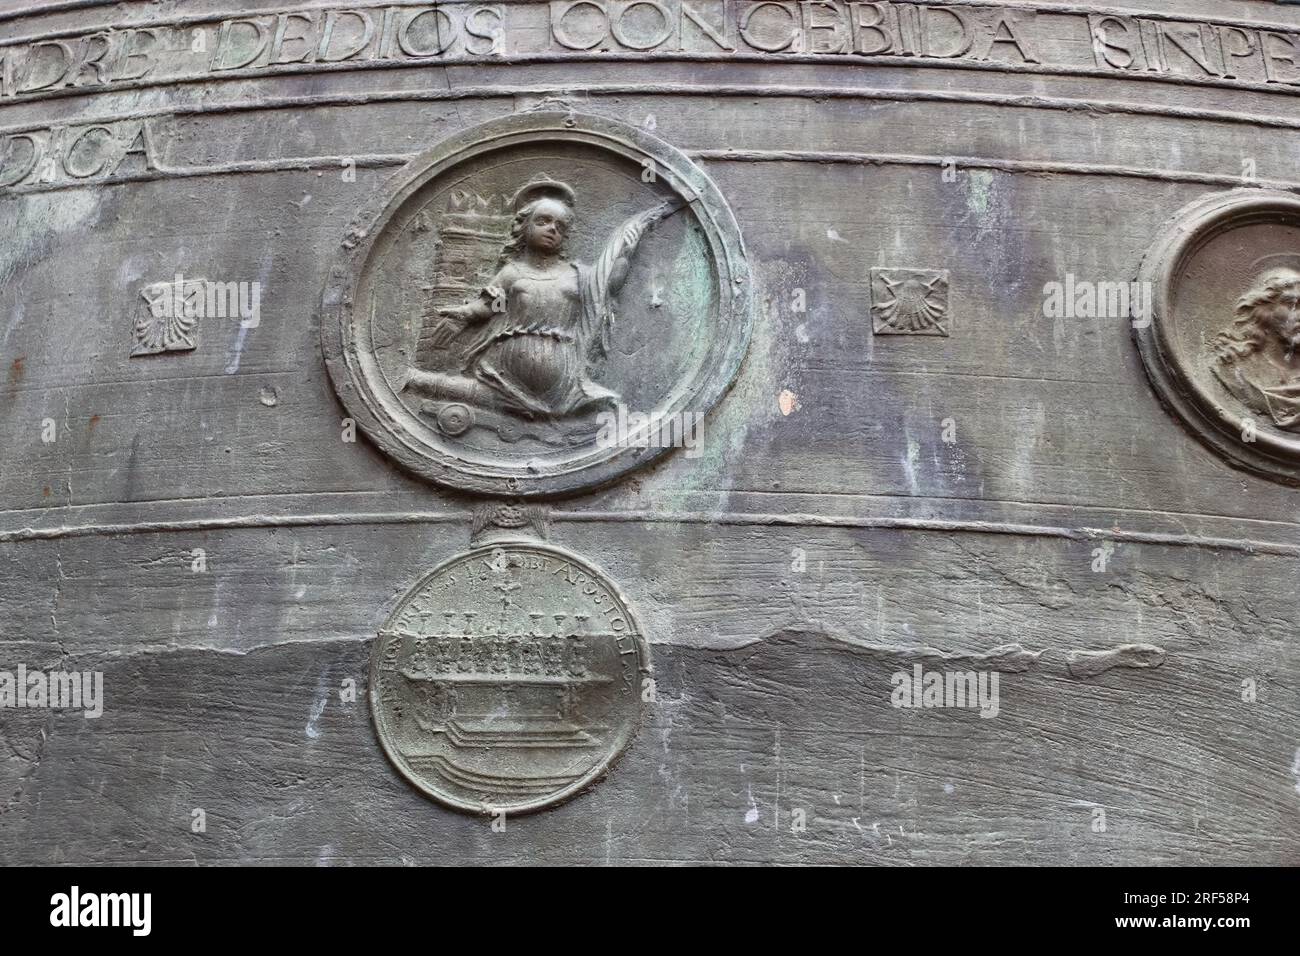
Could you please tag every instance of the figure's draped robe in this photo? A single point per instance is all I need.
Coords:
(514, 353)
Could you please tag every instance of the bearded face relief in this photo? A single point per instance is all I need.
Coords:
(1222, 342)
(525, 282)
(1257, 359)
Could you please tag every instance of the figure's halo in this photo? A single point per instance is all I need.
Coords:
(541, 186)
(1287, 260)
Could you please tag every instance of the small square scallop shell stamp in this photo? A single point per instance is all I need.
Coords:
(1222, 348)
(909, 302)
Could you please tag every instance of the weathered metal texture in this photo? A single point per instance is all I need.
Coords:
(922, 460)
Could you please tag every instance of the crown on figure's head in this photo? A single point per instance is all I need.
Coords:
(539, 187)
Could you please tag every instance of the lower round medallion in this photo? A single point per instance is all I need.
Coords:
(508, 679)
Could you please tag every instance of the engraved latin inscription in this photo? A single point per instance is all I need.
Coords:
(1048, 37)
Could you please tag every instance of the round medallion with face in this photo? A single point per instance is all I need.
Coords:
(524, 291)
(1257, 357)
(1222, 343)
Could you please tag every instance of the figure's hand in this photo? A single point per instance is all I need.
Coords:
(635, 228)
(451, 322)
(667, 208)
(632, 233)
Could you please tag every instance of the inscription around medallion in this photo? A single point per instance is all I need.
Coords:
(508, 679)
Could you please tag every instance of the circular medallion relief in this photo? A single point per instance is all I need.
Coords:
(1223, 345)
(508, 678)
(526, 296)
